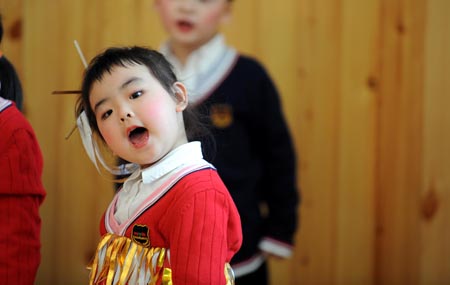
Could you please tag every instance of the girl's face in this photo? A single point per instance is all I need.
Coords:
(192, 22)
(138, 119)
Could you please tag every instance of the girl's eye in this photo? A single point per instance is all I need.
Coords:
(106, 114)
(136, 95)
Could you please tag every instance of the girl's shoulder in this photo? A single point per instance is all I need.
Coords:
(200, 183)
(206, 179)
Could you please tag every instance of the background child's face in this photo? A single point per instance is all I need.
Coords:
(192, 22)
(138, 119)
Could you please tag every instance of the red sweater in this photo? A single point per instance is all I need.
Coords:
(21, 194)
(196, 220)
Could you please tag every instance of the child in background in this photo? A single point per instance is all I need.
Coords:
(173, 220)
(255, 156)
(21, 189)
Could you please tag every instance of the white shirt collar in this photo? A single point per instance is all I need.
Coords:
(204, 67)
(200, 60)
(183, 155)
(143, 182)
(4, 103)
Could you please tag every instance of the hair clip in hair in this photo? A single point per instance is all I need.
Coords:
(86, 136)
(89, 144)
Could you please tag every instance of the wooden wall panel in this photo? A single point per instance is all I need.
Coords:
(364, 88)
(357, 74)
(337, 98)
(318, 122)
(400, 158)
(435, 190)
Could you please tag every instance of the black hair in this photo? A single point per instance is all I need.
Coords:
(159, 67)
(10, 86)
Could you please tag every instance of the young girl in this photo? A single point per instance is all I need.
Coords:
(173, 220)
(255, 156)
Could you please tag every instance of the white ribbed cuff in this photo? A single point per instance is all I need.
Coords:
(248, 266)
(275, 247)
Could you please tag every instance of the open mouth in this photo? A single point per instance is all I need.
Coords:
(138, 136)
(185, 25)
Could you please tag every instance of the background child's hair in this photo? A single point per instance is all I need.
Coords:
(10, 87)
(156, 63)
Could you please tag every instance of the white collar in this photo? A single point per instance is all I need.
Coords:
(200, 58)
(185, 154)
(205, 67)
(4, 103)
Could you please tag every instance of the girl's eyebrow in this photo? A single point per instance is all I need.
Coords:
(129, 81)
(99, 103)
(123, 86)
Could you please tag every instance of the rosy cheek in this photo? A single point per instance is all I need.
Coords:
(212, 17)
(154, 114)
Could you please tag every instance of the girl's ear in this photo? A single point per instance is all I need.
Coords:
(181, 96)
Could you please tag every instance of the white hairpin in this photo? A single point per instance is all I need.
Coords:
(91, 146)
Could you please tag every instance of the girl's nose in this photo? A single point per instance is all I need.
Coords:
(186, 5)
(126, 116)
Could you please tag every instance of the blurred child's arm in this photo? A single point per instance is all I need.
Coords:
(278, 186)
